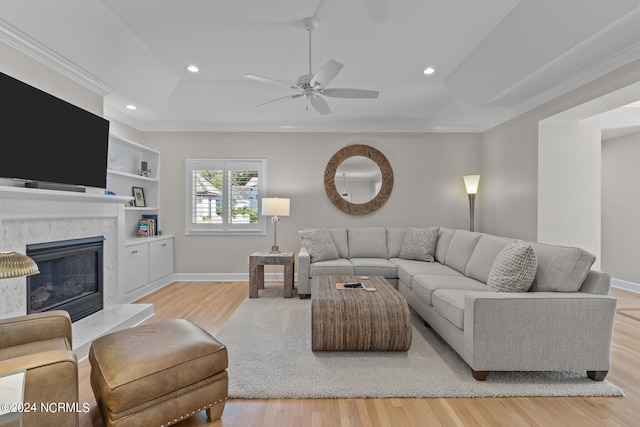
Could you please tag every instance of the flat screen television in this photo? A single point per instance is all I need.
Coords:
(46, 139)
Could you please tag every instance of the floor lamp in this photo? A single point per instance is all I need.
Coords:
(471, 183)
(275, 208)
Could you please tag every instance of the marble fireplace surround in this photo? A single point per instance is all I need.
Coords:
(29, 216)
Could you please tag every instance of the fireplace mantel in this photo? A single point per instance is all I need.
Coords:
(7, 192)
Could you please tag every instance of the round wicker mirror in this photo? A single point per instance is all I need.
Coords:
(330, 179)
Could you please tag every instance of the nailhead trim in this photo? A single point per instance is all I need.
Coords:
(224, 399)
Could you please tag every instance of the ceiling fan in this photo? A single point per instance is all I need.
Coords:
(314, 86)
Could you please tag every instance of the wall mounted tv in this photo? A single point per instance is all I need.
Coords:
(48, 140)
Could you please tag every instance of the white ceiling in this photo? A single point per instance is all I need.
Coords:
(494, 59)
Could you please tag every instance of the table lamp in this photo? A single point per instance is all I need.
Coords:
(275, 208)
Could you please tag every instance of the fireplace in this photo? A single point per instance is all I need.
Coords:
(71, 277)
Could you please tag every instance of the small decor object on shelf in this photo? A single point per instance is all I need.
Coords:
(144, 170)
(143, 231)
(138, 197)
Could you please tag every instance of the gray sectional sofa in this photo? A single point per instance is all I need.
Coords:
(563, 322)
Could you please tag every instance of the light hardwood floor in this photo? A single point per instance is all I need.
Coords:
(210, 304)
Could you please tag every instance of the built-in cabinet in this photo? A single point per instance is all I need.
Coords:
(147, 261)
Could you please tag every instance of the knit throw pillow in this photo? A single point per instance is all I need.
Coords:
(419, 244)
(514, 269)
(319, 244)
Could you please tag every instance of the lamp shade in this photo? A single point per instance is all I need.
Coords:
(471, 182)
(275, 206)
(13, 264)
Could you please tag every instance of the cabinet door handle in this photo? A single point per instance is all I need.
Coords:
(164, 245)
(134, 252)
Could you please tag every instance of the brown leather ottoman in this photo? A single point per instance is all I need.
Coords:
(158, 374)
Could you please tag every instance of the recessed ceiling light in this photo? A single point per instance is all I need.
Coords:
(429, 70)
(132, 107)
(193, 68)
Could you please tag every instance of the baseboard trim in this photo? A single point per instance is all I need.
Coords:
(225, 277)
(628, 286)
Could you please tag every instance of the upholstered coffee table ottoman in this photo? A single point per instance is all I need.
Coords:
(158, 374)
(358, 320)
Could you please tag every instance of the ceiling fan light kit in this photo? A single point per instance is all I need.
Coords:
(313, 86)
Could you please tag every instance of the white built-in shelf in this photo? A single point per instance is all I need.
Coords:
(131, 176)
(142, 209)
(124, 164)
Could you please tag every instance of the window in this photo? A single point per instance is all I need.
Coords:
(223, 196)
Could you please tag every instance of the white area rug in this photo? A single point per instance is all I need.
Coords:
(269, 344)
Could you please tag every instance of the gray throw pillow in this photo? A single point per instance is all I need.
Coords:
(319, 244)
(419, 244)
(514, 268)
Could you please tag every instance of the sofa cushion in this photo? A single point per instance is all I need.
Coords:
(460, 249)
(560, 268)
(374, 267)
(367, 242)
(449, 303)
(338, 267)
(484, 255)
(319, 244)
(395, 238)
(425, 284)
(514, 268)
(442, 245)
(408, 268)
(419, 244)
(341, 241)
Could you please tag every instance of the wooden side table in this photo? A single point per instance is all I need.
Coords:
(258, 260)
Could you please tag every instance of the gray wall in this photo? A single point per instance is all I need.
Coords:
(621, 207)
(509, 156)
(428, 190)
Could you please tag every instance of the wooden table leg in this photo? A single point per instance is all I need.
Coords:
(288, 280)
(256, 278)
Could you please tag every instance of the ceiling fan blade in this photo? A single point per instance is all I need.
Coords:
(318, 7)
(284, 98)
(320, 105)
(350, 93)
(269, 81)
(327, 73)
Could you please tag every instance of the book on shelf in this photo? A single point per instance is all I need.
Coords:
(351, 285)
(144, 229)
(154, 219)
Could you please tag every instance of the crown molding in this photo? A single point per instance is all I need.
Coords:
(15, 38)
(115, 114)
(587, 75)
(240, 128)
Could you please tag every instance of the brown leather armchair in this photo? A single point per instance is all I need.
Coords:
(41, 344)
